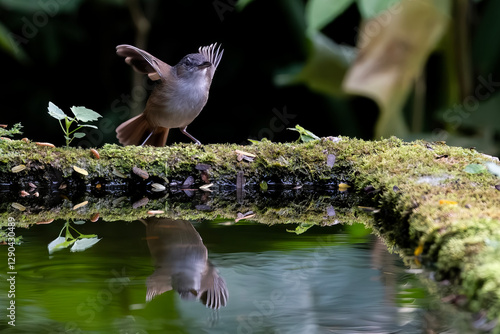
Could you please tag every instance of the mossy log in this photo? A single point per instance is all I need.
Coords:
(417, 196)
(186, 181)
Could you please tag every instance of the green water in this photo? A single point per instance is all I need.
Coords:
(337, 279)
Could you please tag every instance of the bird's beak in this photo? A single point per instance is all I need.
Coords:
(205, 64)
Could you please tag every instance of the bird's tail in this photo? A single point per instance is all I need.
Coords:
(137, 129)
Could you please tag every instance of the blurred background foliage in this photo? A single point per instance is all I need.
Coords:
(366, 68)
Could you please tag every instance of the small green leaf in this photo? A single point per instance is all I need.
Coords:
(263, 140)
(55, 112)
(306, 138)
(88, 126)
(79, 134)
(301, 228)
(475, 169)
(68, 121)
(67, 243)
(83, 244)
(10, 43)
(305, 135)
(85, 115)
(55, 244)
(263, 185)
(87, 236)
(59, 243)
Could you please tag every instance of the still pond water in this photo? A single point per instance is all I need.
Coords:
(154, 276)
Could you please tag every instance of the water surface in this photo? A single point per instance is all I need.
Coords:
(152, 277)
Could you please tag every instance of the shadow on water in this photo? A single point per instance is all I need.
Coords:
(161, 275)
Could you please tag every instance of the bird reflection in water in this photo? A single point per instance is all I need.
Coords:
(181, 263)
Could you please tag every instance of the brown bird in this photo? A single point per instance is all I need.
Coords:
(179, 96)
(181, 263)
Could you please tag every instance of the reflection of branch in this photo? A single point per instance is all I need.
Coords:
(142, 26)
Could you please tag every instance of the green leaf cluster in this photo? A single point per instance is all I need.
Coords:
(79, 243)
(81, 114)
(15, 130)
(4, 238)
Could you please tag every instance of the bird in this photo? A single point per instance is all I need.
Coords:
(178, 97)
(181, 263)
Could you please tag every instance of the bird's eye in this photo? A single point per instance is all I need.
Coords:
(188, 61)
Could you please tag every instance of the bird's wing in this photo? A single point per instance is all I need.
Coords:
(213, 54)
(143, 62)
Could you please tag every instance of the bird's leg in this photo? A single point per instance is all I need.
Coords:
(196, 141)
(145, 140)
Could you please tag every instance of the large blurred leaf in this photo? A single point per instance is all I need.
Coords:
(392, 56)
(8, 44)
(371, 8)
(485, 48)
(242, 4)
(325, 67)
(51, 8)
(115, 2)
(485, 115)
(321, 12)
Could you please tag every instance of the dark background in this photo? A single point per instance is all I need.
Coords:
(69, 59)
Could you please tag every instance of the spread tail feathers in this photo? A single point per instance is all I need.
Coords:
(137, 129)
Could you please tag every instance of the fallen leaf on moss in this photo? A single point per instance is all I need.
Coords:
(446, 202)
(419, 250)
